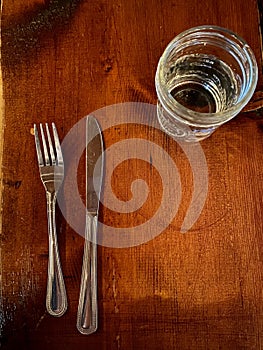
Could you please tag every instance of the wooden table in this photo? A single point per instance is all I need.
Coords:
(63, 59)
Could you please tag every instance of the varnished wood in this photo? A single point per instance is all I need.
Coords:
(62, 60)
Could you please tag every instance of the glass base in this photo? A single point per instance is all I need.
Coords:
(180, 131)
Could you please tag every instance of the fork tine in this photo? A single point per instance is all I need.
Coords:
(38, 148)
(46, 156)
(57, 145)
(51, 149)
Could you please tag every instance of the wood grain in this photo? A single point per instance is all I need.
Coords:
(62, 60)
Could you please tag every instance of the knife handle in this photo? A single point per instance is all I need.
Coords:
(87, 316)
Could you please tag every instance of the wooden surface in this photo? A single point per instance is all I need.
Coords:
(62, 60)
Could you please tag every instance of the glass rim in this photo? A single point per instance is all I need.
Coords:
(216, 118)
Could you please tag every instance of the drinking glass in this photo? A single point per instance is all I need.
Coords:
(204, 78)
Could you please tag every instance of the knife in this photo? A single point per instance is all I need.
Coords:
(87, 316)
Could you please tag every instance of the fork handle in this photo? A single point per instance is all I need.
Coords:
(56, 298)
(87, 316)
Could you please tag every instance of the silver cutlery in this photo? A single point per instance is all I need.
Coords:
(51, 168)
(87, 316)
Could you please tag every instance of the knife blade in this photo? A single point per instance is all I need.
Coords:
(87, 316)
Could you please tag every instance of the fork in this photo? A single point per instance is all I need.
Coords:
(51, 168)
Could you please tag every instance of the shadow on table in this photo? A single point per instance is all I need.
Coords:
(157, 323)
(154, 323)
